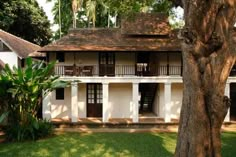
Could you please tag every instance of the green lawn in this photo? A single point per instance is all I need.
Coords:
(105, 144)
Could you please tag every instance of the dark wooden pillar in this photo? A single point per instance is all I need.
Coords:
(168, 64)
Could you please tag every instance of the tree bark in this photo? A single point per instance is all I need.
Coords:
(208, 56)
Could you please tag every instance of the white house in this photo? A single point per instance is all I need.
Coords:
(13, 50)
(124, 72)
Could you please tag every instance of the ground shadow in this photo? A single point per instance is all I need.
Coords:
(96, 145)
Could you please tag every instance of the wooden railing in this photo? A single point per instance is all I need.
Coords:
(117, 70)
(76, 70)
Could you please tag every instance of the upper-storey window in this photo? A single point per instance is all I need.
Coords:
(3, 47)
(60, 56)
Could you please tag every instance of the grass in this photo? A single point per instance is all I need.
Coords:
(105, 145)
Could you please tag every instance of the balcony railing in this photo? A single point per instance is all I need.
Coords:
(117, 70)
(75, 70)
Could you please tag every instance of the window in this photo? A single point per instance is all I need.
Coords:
(60, 56)
(94, 93)
(60, 94)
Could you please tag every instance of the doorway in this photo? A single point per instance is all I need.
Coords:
(106, 64)
(94, 100)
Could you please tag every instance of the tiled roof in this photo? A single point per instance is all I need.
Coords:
(146, 24)
(107, 39)
(143, 32)
(20, 46)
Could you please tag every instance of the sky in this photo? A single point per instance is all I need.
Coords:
(47, 7)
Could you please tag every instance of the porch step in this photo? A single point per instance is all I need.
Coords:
(127, 126)
(144, 122)
(119, 126)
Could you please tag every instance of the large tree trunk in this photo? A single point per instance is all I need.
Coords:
(208, 56)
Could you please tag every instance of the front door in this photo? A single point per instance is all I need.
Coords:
(106, 64)
(94, 100)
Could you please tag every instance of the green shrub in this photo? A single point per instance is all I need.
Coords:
(33, 130)
(21, 96)
(45, 129)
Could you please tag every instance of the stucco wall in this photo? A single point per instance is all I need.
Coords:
(83, 58)
(176, 100)
(92, 58)
(120, 97)
(62, 108)
(82, 107)
(9, 58)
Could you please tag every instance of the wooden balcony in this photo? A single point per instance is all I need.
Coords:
(117, 70)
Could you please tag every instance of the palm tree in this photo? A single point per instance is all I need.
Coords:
(76, 5)
(91, 11)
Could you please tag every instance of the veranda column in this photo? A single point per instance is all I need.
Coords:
(167, 101)
(227, 93)
(135, 103)
(47, 106)
(74, 102)
(105, 101)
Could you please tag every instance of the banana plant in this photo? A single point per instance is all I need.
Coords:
(21, 88)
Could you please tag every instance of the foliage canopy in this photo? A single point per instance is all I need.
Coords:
(24, 18)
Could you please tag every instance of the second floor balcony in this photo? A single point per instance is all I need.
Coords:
(118, 70)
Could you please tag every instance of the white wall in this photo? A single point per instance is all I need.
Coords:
(83, 58)
(176, 100)
(9, 58)
(120, 98)
(61, 108)
(82, 103)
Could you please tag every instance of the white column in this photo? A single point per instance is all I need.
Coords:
(105, 102)
(47, 105)
(167, 101)
(135, 103)
(227, 93)
(74, 102)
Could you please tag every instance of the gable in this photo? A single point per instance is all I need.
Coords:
(4, 47)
